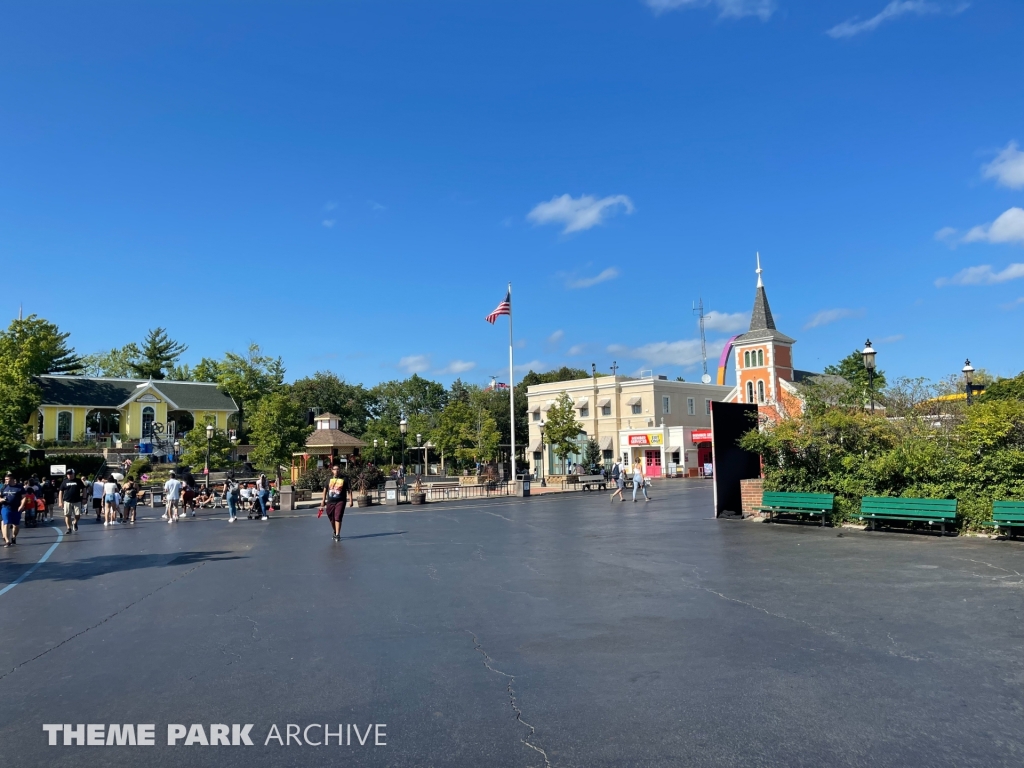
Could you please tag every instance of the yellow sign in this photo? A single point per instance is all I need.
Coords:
(646, 439)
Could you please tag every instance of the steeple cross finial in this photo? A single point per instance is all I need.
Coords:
(760, 284)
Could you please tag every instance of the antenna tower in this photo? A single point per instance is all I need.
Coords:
(699, 311)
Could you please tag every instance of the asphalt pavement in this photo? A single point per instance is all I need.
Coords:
(562, 630)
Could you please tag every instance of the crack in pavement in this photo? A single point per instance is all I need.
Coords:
(512, 698)
(996, 567)
(102, 621)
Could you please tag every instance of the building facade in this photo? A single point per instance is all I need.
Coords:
(76, 408)
(652, 420)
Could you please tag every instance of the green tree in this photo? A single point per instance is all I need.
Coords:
(561, 430)
(466, 431)
(205, 370)
(1004, 389)
(157, 355)
(332, 394)
(193, 448)
(852, 369)
(249, 377)
(115, 363)
(40, 345)
(592, 456)
(277, 429)
(19, 397)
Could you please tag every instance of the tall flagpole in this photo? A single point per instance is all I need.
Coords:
(511, 387)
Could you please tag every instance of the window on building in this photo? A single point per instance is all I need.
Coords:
(760, 391)
(606, 410)
(64, 426)
(606, 455)
(750, 392)
(637, 408)
(666, 404)
(148, 417)
(760, 357)
(707, 407)
(536, 415)
(674, 457)
(691, 408)
(585, 412)
(746, 359)
(537, 457)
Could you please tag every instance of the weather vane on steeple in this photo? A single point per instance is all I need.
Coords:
(760, 284)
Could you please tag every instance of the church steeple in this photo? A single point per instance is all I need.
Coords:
(761, 317)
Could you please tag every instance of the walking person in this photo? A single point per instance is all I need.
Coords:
(130, 498)
(97, 497)
(11, 495)
(70, 497)
(263, 494)
(232, 494)
(639, 480)
(333, 501)
(49, 494)
(620, 481)
(109, 501)
(172, 494)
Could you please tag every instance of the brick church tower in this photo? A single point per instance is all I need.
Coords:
(764, 363)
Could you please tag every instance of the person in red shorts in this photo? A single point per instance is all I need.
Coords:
(333, 501)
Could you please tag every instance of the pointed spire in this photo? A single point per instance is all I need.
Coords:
(761, 317)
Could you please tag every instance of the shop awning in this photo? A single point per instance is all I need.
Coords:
(548, 405)
(581, 403)
(536, 445)
(633, 400)
(535, 408)
(607, 443)
(604, 401)
(673, 449)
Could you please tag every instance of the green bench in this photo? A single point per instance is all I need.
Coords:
(1006, 514)
(887, 509)
(811, 504)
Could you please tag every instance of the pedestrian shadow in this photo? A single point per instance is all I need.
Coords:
(373, 535)
(91, 567)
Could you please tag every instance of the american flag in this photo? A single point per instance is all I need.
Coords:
(505, 308)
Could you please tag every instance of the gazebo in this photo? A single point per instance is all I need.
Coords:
(326, 444)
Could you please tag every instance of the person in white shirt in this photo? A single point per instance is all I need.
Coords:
(97, 498)
(172, 493)
(109, 502)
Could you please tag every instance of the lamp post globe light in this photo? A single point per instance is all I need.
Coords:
(869, 364)
(177, 450)
(403, 427)
(543, 483)
(968, 372)
(209, 437)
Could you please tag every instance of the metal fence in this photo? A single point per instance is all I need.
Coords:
(449, 491)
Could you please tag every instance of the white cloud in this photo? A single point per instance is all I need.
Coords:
(328, 222)
(983, 274)
(1008, 228)
(375, 206)
(827, 316)
(734, 9)
(415, 363)
(726, 322)
(946, 234)
(457, 367)
(893, 10)
(556, 337)
(576, 349)
(1013, 304)
(578, 213)
(586, 282)
(1008, 167)
(684, 352)
(890, 339)
(534, 365)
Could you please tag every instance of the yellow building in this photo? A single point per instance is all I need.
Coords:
(77, 408)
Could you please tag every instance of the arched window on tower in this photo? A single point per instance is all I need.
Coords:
(750, 392)
(760, 357)
(746, 359)
(760, 391)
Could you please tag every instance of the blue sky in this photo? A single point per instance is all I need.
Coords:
(352, 184)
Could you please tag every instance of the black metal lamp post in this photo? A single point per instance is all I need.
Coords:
(419, 444)
(209, 437)
(375, 459)
(869, 364)
(403, 427)
(543, 482)
(177, 451)
(968, 371)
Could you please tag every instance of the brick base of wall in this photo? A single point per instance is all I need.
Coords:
(751, 493)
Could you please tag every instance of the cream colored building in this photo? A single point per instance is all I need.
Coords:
(650, 419)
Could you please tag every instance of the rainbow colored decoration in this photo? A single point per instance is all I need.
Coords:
(723, 361)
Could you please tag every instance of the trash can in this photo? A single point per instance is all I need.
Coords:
(522, 488)
(288, 497)
(391, 494)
